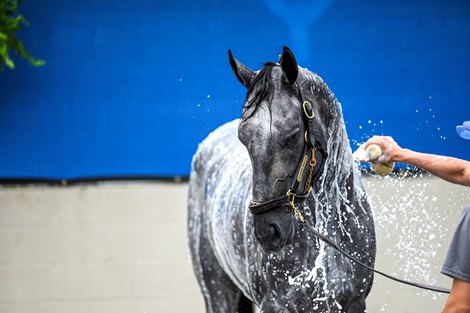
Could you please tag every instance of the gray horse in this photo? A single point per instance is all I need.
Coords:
(255, 179)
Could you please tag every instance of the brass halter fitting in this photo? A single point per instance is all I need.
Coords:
(313, 160)
(291, 202)
(308, 110)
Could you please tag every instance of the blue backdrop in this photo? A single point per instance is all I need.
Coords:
(131, 87)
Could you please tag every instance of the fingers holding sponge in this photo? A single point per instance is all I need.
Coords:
(363, 154)
(371, 153)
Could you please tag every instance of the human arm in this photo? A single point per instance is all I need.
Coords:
(451, 169)
(459, 299)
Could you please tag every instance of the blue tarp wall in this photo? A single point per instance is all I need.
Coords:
(131, 87)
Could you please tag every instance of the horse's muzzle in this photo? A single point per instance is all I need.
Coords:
(274, 229)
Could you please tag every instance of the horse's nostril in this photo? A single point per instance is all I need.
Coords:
(273, 231)
(275, 235)
(272, 236)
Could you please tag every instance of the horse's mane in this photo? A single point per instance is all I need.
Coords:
(261, 88)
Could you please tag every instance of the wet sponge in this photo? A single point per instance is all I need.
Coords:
(371, 153)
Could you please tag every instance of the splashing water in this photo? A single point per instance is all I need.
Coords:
(411, 215)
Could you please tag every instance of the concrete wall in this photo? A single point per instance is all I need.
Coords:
(121, 247)
(106, 248)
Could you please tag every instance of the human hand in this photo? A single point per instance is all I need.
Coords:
(390, 149)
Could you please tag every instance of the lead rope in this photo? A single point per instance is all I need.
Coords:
(298, 214)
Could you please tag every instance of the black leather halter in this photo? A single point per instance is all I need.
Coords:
(309, 159)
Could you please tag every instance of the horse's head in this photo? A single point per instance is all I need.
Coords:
(284, 127)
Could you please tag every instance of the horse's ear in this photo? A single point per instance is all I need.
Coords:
(289, 65)
(243, 73)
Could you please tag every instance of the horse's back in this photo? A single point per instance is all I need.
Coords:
(219, 186)
(211, 155)
(219, 154)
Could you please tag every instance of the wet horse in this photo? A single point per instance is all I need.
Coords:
(252, 182)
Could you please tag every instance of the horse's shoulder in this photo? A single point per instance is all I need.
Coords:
(219, 147)
(223, 135)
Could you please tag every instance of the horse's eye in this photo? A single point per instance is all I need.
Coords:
(292, 137)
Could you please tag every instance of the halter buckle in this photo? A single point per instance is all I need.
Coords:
(291, 202)
(290, 197)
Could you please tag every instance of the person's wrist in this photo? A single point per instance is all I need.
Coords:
(401, 155)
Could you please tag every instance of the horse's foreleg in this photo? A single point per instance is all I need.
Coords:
(357, 307)
(220, 293)
(270, 306)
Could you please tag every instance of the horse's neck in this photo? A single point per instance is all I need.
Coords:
(340, 180)
(339, 163)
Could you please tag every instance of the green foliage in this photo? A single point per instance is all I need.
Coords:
(10, 22)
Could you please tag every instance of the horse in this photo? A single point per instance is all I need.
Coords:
(255, 181)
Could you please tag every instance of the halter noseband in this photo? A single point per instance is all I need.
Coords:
(309, 159)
